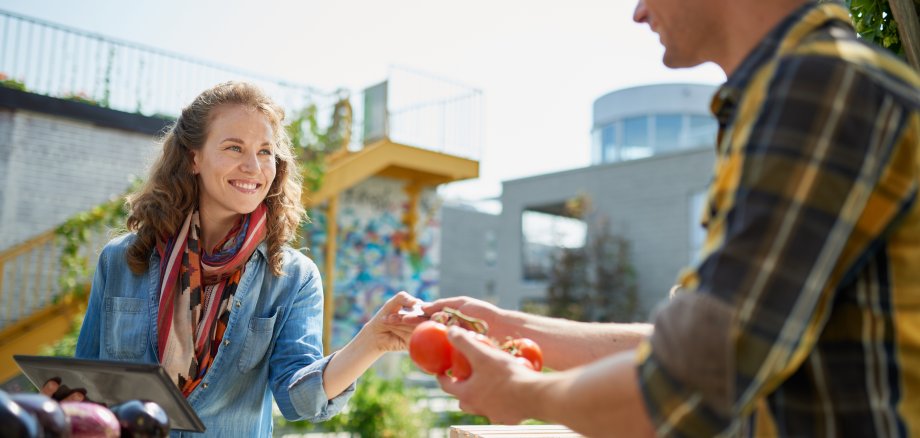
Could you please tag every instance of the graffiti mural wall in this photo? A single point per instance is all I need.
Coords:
(374, 262)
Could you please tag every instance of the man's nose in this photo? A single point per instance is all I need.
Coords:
(640, 15)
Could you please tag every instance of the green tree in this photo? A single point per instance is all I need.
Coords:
(596, 282)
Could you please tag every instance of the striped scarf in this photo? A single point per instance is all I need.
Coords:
(196, 291)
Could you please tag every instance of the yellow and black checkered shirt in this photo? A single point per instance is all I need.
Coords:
(802, 317)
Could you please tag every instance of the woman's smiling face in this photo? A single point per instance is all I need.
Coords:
(236, 165)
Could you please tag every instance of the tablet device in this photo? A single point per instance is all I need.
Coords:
(114, 382)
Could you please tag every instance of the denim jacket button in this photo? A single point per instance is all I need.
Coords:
(238, 304)
(226, 342)
(204, 386)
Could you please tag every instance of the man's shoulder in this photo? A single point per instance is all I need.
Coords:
(833, 52)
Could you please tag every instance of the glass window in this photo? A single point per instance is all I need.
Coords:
(609, 142)
(635, 139)
(543, 236)
(702, 131)
(597, 154)
(667, 132)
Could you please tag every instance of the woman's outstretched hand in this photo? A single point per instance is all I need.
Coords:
(392, 325)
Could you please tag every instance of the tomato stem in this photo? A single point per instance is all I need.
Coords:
(476, 324)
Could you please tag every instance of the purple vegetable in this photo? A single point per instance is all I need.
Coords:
(141, 419)
(16, 422)
(48, 412)
(90, 420)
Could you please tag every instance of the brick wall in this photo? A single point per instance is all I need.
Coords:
(52, 167)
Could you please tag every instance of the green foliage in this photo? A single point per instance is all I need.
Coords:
(875, 23)
(66, 346)
(75, 233)
(596, 282)
(314, 143)
(380, 407)
(80, 97)
(8, 82)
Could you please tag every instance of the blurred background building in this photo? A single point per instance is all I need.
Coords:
(651, 160)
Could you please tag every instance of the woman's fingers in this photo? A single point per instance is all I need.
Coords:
(51, 386)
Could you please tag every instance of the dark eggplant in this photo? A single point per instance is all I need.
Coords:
(48, 412)
(141, 419)
(16, 422)
(90, 420)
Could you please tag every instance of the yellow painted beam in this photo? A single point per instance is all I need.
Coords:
(332, 235)
(385, 156)
(36, 331)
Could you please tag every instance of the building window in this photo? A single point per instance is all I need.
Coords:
(667, 132)
(491, 253)
(702, 131)
(609, 143)
(636, 142)
(544, 233)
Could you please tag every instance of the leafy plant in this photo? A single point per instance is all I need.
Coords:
(596, 282)
(313, 143)
(380, 407)
(8, 82)
(875, 23)
(75, 233)
(80, 97)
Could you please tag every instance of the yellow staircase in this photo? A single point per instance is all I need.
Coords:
(33, 313)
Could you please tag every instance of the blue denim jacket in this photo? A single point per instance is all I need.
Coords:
(273, 340)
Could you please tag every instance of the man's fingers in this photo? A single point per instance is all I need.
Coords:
(437, 306)
(450, 386)
(465, 341)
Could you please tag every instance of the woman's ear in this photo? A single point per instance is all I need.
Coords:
(193, 159)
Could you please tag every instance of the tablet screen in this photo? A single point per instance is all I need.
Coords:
(114, 382)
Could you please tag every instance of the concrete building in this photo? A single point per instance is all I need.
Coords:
(651, 161)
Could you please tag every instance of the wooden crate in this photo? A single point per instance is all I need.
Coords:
(535, 431)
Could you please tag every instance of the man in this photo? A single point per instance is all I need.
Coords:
(803, 316)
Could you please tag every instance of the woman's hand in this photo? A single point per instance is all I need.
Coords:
(54, 389)
(391, 328)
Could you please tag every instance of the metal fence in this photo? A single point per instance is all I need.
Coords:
(55, 60)
(61, 61)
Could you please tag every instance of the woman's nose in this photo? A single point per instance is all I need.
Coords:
(250, 164)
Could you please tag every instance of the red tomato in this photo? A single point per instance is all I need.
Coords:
(526, 348)
(460, 368)
(429, 348)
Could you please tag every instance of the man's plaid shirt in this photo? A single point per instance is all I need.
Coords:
(802, 317)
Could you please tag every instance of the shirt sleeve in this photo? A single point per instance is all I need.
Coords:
(88, 341)
(798, 203)
(297, 362)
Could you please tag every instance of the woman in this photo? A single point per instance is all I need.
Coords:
(206, 286)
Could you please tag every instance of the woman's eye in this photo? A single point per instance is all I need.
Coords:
(234, 148)
(266, 152)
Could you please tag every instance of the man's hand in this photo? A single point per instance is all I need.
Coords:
(487, 312)
(495, 387)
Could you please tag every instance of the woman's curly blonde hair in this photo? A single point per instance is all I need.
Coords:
(159, 208)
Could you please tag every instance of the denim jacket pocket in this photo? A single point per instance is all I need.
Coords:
(258, 338)
(125, 327)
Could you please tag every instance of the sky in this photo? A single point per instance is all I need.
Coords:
(539, 64)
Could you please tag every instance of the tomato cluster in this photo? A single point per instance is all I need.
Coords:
(433, 353)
